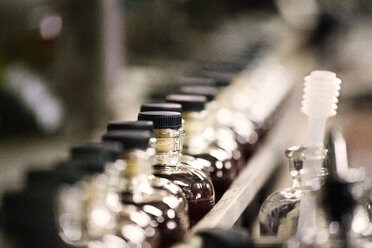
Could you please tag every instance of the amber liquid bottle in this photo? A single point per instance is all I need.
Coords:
(223, 170)
(167, 213)
(106, 220)
(195, 184)
(198, 163)
(156, 182)
(222, 136)
(233, 124)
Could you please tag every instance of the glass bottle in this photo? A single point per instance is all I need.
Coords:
(195, 184)
(168, 215)
(334, 204)
(69, 200)
(78, 203)
(156, 182)
(228, 122)
(225, 136)
(198, 163)
(279, 214)
(223, 167)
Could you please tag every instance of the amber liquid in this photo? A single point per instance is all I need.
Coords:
(223, 172)
(171, 227)
(195, 185)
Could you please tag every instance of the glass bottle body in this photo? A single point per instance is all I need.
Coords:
(78, 205)
(223, 136)
(158, 198)
(162, 209)
(223, 169)
(132, 229)
(194, 183)
(279, 214)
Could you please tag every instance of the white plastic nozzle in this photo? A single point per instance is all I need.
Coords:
(321, 91)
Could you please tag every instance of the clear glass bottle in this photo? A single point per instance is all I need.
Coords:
(223, 167)
(168, 215)
(228, 122)
(224, 136)
(198, 163)
(69, 199)
(279, 214)
(156, 182)
(79, 201)
(195, 184)
(334, 206)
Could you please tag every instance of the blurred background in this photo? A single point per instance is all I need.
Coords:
(69, 66)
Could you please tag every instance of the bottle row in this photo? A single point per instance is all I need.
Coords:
(148, 181)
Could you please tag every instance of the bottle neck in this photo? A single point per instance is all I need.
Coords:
(137, 170)
(306, 167)
(168, 146)
(312, 178)
(194, 141)
(295, 172)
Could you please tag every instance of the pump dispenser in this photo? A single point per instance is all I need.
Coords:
(291, 211)
(195, 184)
(321, 91)
(167, 213)
(225, 162)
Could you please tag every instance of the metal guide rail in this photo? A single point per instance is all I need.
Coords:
(257, 171)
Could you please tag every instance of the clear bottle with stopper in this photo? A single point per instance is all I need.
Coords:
(279, 213)
(167, 213)
(220, 116)
(225, 136)
(66, 195)
(195, 184)
(223, 169)
(198, 163)
(93, 160)
(156, 182)
(291, 211)
(108, 221)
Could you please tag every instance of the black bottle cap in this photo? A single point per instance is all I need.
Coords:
(72, 170)
(209, 92)
(222, 78)
(162, 119)
(225, 66)
(188, 102)
(41, 177)
(51, 178)
(130, 139)
(130, 125)
(96, 151)
(197, 81)
(161, 106)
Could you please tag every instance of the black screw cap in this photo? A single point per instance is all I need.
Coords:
(162, 119)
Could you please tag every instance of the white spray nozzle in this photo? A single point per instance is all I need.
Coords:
(321, 91)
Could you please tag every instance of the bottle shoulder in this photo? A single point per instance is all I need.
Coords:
(193, 182)
(181, 171)
(284, 195)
